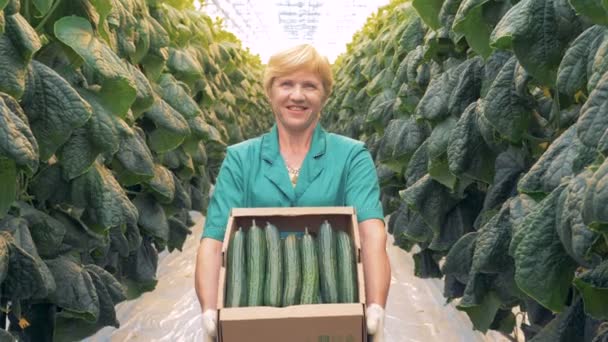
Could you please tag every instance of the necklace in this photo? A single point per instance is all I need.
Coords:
(293, 174)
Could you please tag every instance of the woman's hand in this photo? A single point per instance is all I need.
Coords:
(206, 277)
(377, 273)
(210, 325)
(375, 322)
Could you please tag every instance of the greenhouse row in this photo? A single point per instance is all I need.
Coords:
(147, 151)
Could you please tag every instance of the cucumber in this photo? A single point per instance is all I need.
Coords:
(347, 274)
(310, 270)
(292, 271)
(273, 284)
(327, 264)
(256, 265)
(236, 292)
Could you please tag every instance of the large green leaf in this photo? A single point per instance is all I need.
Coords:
(79, 153)
(105, 203)
(410, 225)
(538, 31)
(572, 72)
(593, 286)
(54, 108)
(43, 6)
(557, 162)
(593, 121)
(28, 276)
(118, 87)
(8, 185)
(577, 238)
(467, 87)
(418, 164)
(145, 95)
(183, 64)
(491, 251)
(470, 22)
(78, 237)
(482, 314)
(508, 105)
(24, 37)
(467, 153)
(429, 11)
(133, 162)
(425, 265)
(509, 165)
(17, 142)
(101, 134)
(178, 232)
(458, 222)
(460, 257)
(177, 95)
(431, 199)
(595, 211)
(47, 232)
(75, 293)
(413, 35)
(592, 9)
(163, 184)
(433, 105)
(566, 326)
(597, 66)
(12, 68)
(438, 167)
(141, 267)
(171, 127)
(545, 276)
(152, 217)
(401, 139)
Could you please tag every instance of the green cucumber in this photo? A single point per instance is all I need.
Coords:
(256, 265)
(347, 274)
(273, 284)
(310, 270)
(328, 264)
(292, 271)
(236, 292)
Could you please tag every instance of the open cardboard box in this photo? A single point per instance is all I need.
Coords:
(305, 323)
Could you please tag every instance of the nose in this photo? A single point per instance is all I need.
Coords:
(297, 93)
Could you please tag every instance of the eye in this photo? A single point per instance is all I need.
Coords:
(285, 83)
(310, 86)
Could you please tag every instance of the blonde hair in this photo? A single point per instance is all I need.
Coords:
(299, 57)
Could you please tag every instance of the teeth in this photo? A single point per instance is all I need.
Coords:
(296, 108)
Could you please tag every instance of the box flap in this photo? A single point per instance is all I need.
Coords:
(296, 311)
(292, 211)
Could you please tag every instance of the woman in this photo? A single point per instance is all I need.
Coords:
(297, 164)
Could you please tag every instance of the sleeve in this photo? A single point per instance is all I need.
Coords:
(362, 188)
(227, 194)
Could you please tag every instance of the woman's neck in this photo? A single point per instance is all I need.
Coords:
(294, 145)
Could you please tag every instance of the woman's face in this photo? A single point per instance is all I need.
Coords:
(297, 99)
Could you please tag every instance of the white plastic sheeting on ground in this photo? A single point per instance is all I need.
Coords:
(416, 310)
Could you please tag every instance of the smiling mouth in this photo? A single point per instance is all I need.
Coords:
(297, 108)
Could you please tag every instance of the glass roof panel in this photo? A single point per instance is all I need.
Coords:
(266, 26)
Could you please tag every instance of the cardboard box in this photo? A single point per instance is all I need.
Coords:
(297, 323)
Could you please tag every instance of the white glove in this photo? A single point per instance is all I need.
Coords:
(210, 325)
(375, 322)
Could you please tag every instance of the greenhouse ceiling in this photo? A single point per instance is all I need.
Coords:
(266, 26)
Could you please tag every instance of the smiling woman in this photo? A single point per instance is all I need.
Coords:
(298, 164)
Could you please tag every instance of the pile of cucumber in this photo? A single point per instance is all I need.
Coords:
(265, 270)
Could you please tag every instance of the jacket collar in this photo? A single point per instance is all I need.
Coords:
(276, 171)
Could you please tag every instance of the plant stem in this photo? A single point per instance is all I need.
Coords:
(47, 16)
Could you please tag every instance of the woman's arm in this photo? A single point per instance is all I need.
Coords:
(206, 275)
(376, 266)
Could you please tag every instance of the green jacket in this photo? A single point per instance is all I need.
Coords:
(337, 171)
